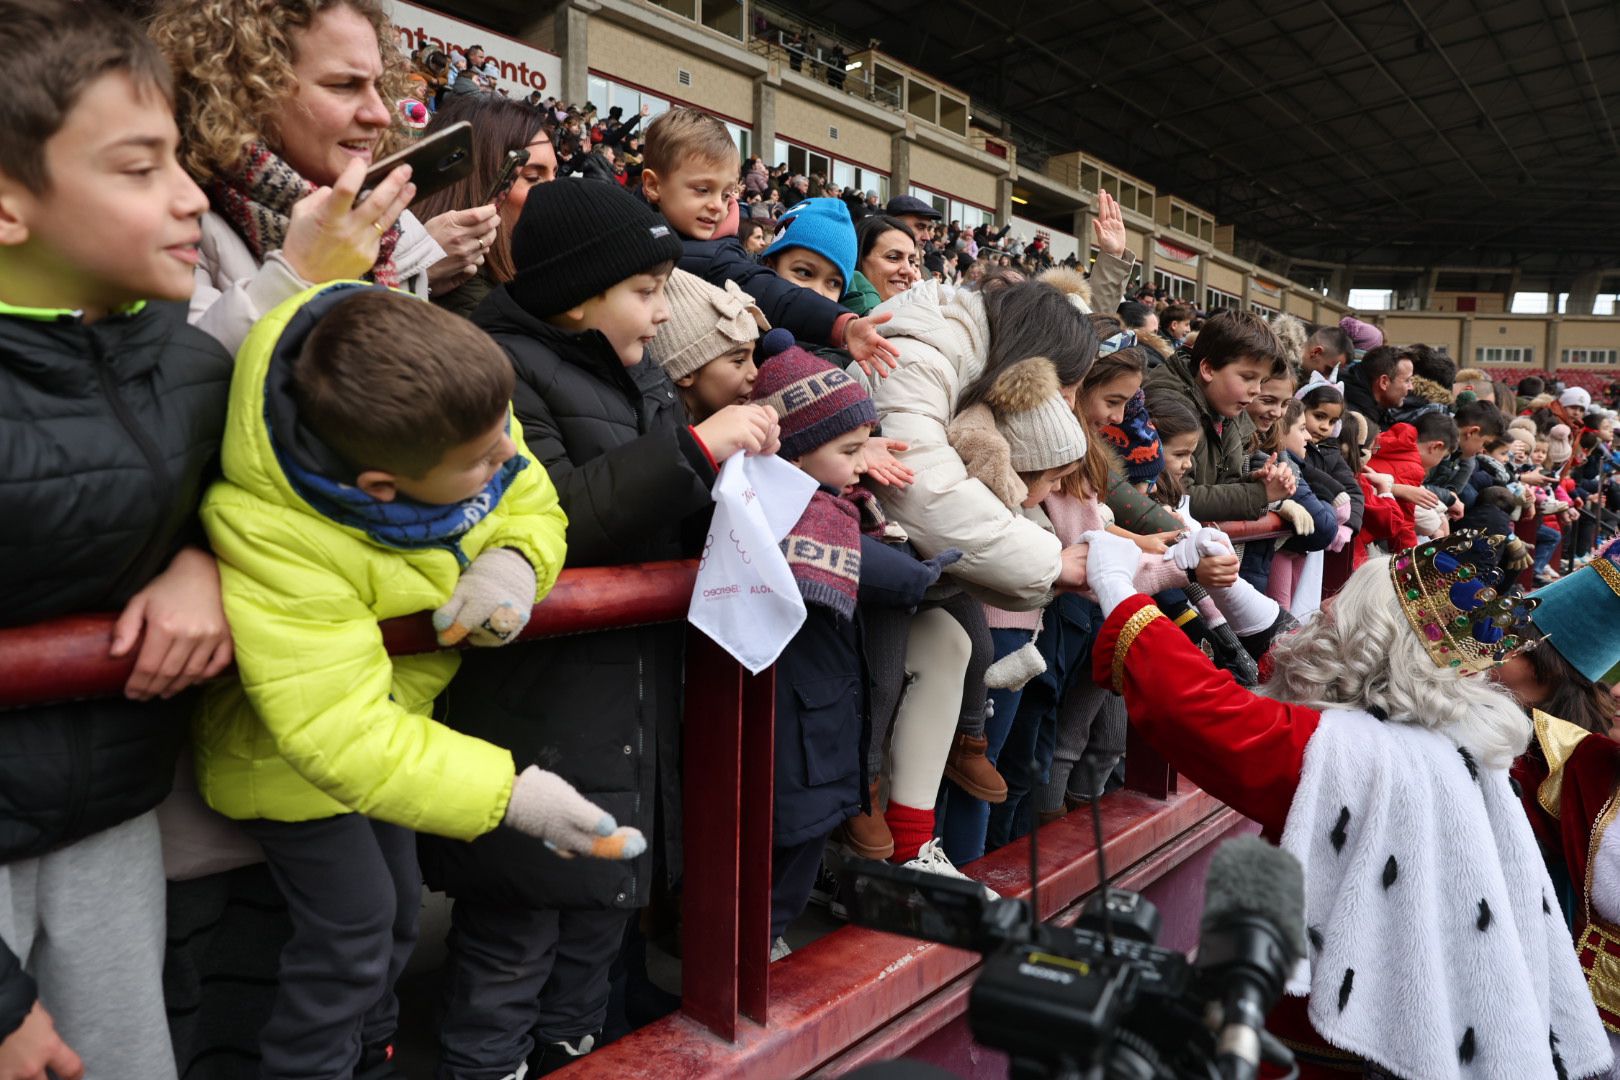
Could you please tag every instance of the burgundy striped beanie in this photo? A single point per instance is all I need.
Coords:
(815, 401)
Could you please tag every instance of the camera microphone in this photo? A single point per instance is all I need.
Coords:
(1251, 936)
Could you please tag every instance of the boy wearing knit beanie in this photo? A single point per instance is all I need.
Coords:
(815, 247)
(602, 710)
(840, 563)
(690, 163)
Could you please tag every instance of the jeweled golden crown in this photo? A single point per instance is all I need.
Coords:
(1467, 619)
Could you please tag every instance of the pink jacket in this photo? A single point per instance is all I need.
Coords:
(1071, 519)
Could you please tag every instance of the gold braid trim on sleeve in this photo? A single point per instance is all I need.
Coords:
(1127, 637)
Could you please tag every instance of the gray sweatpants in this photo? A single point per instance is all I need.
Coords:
(1090, 741)
(87, 922)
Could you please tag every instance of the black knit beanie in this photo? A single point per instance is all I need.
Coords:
(578, 238)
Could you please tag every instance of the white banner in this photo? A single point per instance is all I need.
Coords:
(523, 67)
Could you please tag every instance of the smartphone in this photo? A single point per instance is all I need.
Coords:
(436, 162)
(515, 160)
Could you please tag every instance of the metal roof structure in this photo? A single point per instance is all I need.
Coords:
(1410, 132)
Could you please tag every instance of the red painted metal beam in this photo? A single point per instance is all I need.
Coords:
(66, 659)
(833, 993)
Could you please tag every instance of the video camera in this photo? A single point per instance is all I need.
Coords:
(1100, 999)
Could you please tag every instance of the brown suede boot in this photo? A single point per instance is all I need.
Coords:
(1046, 817)
(868, 835)
(970, 770)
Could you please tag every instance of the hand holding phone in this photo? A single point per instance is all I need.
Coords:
(515, 160)
(332, 237)
(436, 162)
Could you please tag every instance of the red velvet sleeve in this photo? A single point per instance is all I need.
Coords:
(1244, 749)
(1387, 519)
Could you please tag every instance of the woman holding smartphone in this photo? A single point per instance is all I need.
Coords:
(282, 109)
(511, 152)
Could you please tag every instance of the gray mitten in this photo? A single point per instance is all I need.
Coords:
(491, 602)
(1013, 671)
(546, 806)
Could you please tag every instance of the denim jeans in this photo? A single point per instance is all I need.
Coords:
(1067, 629)
(1546, 543)
(962, 818)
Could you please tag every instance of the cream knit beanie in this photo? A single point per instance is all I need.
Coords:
(705, 323)
(1040, 428)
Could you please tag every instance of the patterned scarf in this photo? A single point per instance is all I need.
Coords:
(824, 552)
(258, 203)
(404, 523)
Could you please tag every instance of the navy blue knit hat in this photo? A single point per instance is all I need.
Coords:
(1136, 441)
(822, 226)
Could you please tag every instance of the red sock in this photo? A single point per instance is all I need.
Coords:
(912, 828)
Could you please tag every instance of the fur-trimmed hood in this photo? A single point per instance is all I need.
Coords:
(1291, 335)
(1429, 390)
(1154, 343)
(1071, 283)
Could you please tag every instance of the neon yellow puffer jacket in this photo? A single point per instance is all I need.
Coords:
(323, 721)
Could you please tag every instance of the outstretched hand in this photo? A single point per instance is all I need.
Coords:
(1109, 226)
(876, 355)
(881, 464)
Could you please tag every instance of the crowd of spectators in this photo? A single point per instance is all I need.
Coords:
(256, 410)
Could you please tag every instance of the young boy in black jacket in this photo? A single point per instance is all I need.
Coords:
(690, 166)
(838, 561)
(111, 411)
(532, 934)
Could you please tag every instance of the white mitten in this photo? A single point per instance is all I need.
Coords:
(1341, 499)
(1297, 517)
(1015, 669)
(546, 806)
(491, 602)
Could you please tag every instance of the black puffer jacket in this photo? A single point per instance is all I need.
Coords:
(107, 434)
(602, 710)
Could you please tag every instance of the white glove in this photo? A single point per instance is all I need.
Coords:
(1190, 549)
(1111, 563)
(545, 805)
(1248, 609)
(1297, 517)
(1429, 521)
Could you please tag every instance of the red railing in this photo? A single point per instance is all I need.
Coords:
(837, 998)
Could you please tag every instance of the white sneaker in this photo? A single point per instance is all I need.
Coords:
(779, 949)
(931, 859)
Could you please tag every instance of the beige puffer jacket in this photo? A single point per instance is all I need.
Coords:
(1007, 558)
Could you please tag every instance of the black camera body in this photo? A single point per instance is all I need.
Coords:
(1100, 999)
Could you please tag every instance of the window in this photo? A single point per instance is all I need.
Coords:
(1504, 354)
(1609, 357)
(1372, 299)
(1178, 287)
(1215, 298)
(605, 94)
(1606, 304)
(1261, 310)
(969, 215)
(1532, 303)
(843, 173)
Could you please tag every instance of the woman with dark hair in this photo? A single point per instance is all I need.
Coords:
(953, 345)
(885, 262)
(755, 235)
(499, 125)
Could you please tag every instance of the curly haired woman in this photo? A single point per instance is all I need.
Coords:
(282, 106)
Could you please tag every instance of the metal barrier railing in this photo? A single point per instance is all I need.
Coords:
(729, 731)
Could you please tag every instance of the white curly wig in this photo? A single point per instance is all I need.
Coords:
(1360, 652)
